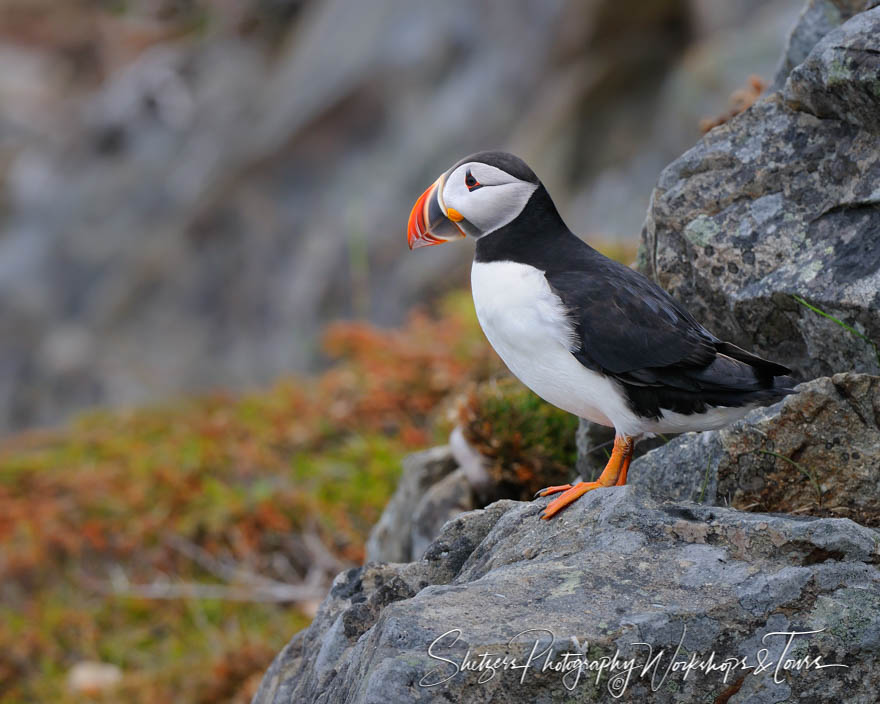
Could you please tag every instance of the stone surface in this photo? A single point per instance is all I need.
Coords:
(614, 569)
(391, 539)
(442, 502)
(776, 204)
(840, 79)
(816, 453)
(817, 19)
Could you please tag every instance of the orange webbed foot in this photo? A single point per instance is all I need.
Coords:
(614, 474)
(569, 497)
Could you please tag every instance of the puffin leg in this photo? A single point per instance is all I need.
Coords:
(627, 458)
(614, 474)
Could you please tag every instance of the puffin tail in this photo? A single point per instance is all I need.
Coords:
(784, 385)
(777, 376)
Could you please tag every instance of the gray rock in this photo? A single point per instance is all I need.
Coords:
(840, 79)
(442, 502)
(614, 569)
(817, 19)
(776, 204)
(356, 599)
(816, 453)
(391, 539)
(685, 468)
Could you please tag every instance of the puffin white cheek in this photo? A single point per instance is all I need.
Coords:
(493, 207)
(455, 196)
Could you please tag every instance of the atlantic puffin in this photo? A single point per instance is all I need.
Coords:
(584, 332)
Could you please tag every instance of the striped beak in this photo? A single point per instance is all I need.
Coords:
(429, 221)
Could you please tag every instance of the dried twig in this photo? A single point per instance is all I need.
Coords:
(217, 567)
(740, 100)
(242, 584)
(120, 586)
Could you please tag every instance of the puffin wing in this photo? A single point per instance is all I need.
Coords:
(624, 323)
(630, 328)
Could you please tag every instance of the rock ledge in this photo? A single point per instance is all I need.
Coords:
(615, 569)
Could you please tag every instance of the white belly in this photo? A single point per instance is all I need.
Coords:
(526, 324)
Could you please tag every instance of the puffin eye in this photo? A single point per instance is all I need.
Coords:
(471, 183)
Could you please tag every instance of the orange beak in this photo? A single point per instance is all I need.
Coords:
(429, 222)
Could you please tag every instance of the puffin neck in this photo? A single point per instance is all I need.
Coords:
(529, 236)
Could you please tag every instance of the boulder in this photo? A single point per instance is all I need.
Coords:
(815, 453)
(766, 230)
(442, 502)
(615, 573)
(391, 539)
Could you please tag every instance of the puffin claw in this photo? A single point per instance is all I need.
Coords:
(546, 491)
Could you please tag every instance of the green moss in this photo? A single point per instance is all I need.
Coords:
(569, 584)
(839, 71)
(532, 444)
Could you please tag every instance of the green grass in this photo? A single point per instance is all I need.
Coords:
(800, 468)
(839, 322)
(705, 480)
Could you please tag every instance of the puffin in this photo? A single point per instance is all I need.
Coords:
(582, 331)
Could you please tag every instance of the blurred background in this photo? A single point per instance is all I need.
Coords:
(192, 188)
(190, 192)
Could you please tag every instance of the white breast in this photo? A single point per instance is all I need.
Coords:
(526, 324)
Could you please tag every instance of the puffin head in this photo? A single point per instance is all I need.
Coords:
(480, 194)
